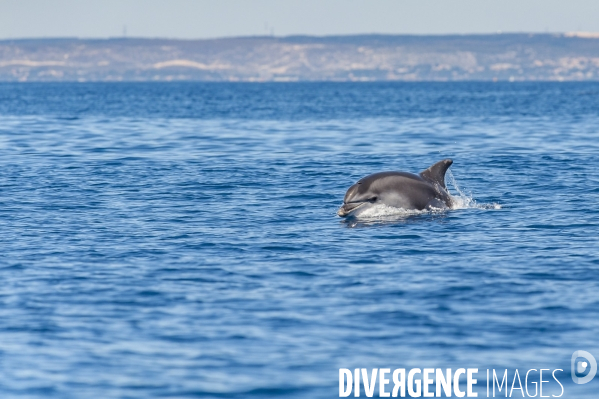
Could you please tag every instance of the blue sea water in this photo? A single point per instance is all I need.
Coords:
(181, 240)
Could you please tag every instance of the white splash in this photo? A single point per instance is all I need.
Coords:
(463, 200)
(381, 211)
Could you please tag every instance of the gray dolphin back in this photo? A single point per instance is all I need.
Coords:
(436, 173)
(399, 190)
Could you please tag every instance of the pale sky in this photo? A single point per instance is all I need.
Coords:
(192, 19)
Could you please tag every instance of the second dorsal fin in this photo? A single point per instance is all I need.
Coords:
(436, 173)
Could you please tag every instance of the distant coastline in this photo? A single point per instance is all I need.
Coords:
(494, 57)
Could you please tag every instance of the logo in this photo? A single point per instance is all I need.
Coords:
(579, 366)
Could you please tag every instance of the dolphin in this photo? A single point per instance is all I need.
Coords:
(425, 190)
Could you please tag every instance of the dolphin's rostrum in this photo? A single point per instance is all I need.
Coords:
(425, 190)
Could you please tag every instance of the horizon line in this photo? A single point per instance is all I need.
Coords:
(572, 34)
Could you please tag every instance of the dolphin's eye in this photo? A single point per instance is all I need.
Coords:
(373, 199)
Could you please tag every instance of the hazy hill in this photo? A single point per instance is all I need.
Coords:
(339, 58)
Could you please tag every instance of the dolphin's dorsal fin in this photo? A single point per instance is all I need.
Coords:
(436, 173)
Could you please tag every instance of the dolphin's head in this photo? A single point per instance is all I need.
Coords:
(359, 197)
